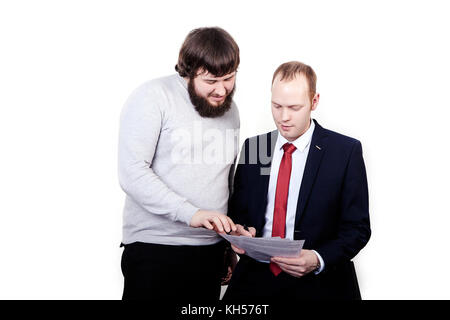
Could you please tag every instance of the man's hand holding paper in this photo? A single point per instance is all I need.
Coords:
(299, 266)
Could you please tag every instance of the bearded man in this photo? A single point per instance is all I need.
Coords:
(177, 148)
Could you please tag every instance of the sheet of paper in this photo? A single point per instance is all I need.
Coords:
(262, 249)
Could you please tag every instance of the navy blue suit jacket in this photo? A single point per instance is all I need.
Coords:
(333, 206)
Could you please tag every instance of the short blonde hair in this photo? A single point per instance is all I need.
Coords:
(289, 70)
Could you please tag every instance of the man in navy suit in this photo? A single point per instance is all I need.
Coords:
(301, 181)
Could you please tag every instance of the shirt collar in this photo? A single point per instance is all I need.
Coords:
(301, 142)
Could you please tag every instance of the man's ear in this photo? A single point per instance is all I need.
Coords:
(315, 101)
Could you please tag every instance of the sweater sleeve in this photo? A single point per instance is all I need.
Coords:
(141, 121)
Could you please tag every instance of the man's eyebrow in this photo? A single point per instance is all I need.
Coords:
(213, 78)
(289, 106)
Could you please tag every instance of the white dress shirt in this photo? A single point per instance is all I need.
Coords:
(299, 156)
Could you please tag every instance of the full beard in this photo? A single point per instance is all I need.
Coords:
(206, 109)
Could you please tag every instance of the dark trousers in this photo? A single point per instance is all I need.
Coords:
(253, 281)
(180, 273)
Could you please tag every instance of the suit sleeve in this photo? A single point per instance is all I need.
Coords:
(238, 204)
(354, 225)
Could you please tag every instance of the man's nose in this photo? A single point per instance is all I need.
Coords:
(220, 89)
(285, 114)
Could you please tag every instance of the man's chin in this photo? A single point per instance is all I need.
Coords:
(285, 135)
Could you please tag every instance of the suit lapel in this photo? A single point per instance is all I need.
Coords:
(266, 146)
(315, 155)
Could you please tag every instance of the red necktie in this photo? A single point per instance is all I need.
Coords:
(281, 198)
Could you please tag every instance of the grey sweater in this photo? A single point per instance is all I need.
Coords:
(173, 162)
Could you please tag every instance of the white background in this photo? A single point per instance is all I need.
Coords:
(67, 67)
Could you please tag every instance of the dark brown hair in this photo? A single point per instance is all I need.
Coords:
(212, 49)
(290, 70)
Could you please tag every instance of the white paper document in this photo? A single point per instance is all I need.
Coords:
(262, 249)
